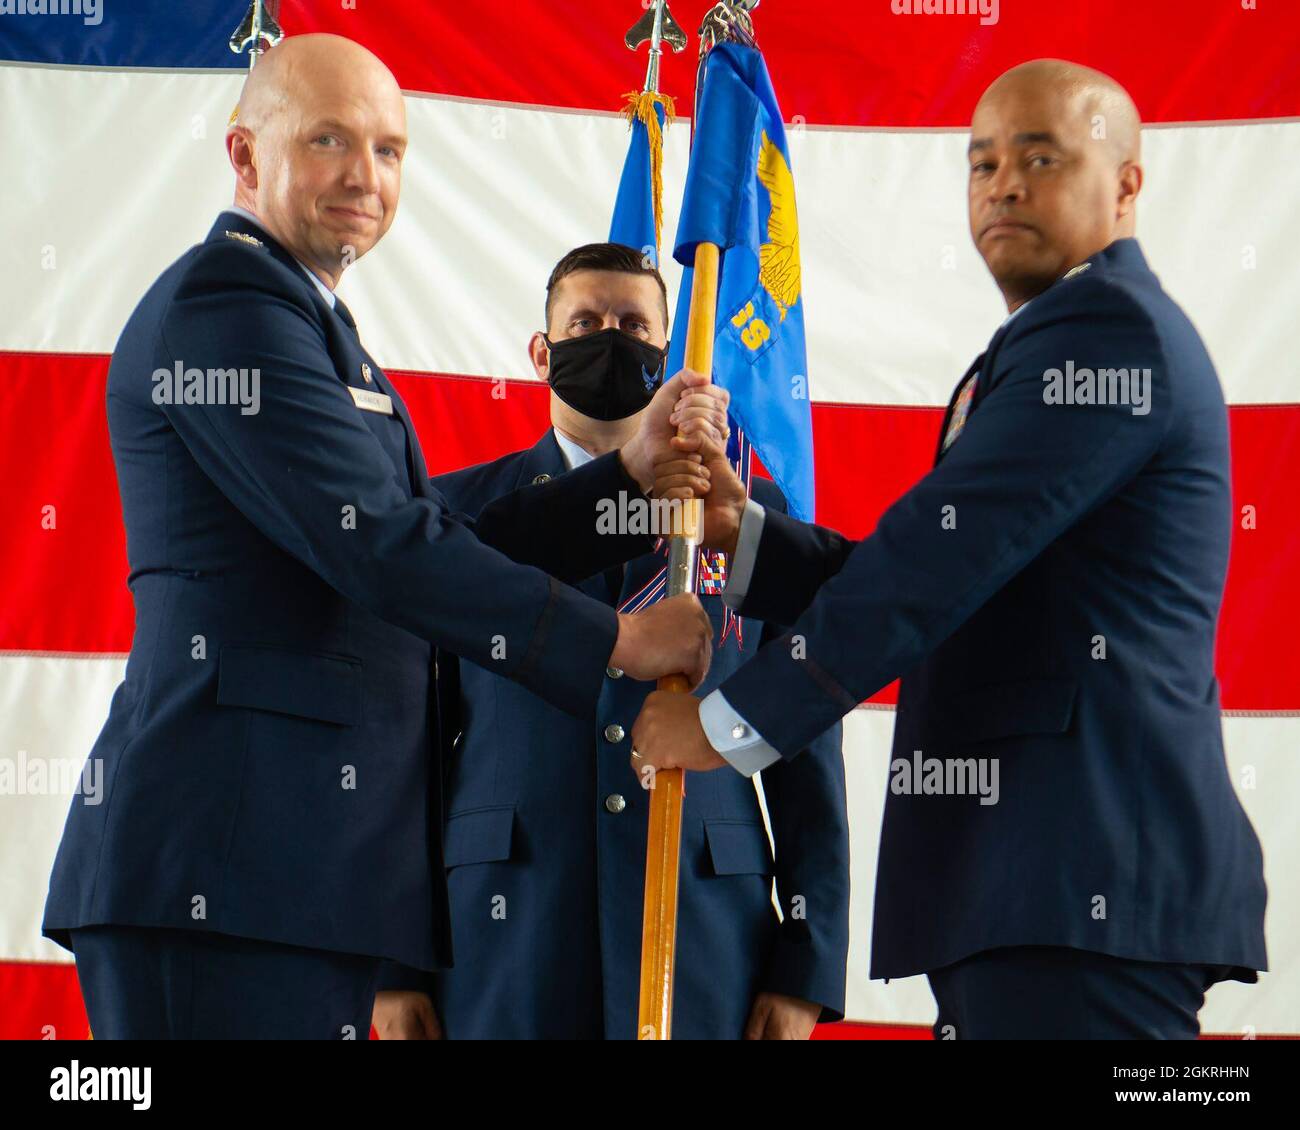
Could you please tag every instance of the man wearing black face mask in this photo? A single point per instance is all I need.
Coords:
(546, 833)
(607, 375)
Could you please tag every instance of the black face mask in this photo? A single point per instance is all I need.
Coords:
(607, 375)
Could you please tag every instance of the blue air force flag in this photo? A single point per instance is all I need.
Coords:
(740, 195)
(638, 209)
(638, 217)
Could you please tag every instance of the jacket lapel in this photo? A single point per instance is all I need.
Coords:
(1123, 253)
(231, 225)
(415, 465)
(952, 404)
(544, 461)
(543, 458)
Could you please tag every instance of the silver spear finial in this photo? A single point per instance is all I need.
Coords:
(655, 27)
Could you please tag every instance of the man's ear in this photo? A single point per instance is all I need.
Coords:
(540, 355)
(1130, 184)
(240, 147)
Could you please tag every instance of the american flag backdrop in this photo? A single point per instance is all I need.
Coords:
(112, 130)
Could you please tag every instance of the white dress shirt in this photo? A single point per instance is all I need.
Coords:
(574, 455)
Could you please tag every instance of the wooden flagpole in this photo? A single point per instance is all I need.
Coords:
(726, 21)
(667, 787)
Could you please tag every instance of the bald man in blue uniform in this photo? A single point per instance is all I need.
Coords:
(1063, 854)
(269, 827)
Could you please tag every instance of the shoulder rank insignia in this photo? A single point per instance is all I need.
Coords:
(1073, 271)
(251, 240)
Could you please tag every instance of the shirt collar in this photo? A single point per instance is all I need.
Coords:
(325, 291)
(574, 455)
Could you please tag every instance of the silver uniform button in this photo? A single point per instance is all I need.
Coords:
(614, 732)
(739, 730)
(541, 479)
(614, 672)
(615, 803)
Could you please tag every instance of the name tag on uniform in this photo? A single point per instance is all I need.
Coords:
(369, 401)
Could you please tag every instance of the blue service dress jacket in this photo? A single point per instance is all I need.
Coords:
(270, 761)
(1049, 593)
(546, 842)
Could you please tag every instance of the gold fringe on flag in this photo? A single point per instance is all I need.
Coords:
(641, 108)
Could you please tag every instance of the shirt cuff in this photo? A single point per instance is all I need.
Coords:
(742, 567)
(733, 737)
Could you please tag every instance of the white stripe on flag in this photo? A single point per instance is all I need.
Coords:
(898, 302)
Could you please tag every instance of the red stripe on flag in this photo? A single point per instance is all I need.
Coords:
(851, 64)
(63, 570)
(65, 587)
(41, 1002)
(867, 456)
(1260, 621)
(467, 420)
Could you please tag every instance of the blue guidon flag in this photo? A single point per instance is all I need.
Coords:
(638, 208)
(740, 195)
(636, 223)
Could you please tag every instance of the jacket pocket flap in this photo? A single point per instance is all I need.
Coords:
(481, 835)
(305, 684)
(1008, 709)
(738, 847)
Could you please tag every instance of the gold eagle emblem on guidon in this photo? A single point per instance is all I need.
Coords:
(778, 269)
